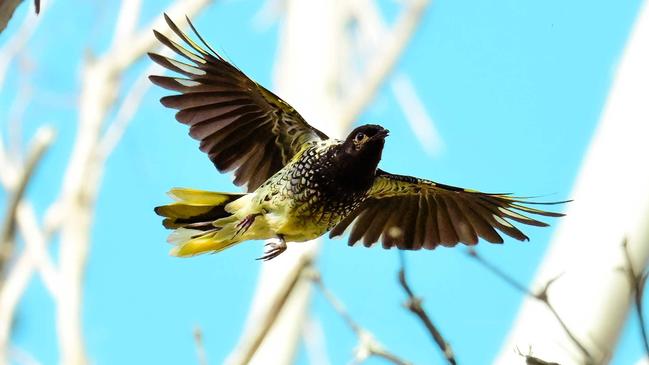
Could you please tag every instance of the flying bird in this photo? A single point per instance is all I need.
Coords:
(301, 183)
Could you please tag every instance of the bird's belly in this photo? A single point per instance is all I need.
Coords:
(295, 227)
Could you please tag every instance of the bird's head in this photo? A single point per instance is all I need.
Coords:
(360, 153)
(366, 138)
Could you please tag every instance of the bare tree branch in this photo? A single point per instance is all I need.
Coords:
(126, 111)
(40, 144)
(247, 349)
(414, 305)
(541, 296)
(384, 61)
(17, 42)
(637, 280)
(35, 254)
(200, 347)
(417, 117)
(367, 344)
(315, 341)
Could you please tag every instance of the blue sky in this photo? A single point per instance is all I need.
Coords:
(515, 89)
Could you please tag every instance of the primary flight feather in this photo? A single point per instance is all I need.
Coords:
(300, 182)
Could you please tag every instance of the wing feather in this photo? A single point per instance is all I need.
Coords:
(231, 115)
(411, 213)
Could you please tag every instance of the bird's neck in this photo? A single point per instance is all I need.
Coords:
(357, 170)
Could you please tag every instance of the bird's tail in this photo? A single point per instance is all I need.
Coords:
(198, 218)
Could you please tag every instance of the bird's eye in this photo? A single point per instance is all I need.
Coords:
(360, 136)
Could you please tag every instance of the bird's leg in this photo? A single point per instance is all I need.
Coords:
(274, 249)
(245, 223)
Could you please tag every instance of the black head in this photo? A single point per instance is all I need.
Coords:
(359, 155)
(364, 138)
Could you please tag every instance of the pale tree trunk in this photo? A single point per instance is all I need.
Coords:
(312, 62)
(592, 294)
(306, 77)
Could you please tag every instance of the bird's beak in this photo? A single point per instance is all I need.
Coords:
(382, 134)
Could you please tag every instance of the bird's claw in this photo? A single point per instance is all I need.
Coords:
(274, 250)
(244, 224)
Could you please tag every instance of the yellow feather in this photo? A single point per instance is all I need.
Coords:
(198, 197)
(202, 244)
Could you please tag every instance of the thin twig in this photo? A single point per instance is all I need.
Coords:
(200, 347)
(414, 305)
(541, 296)
(368, 346)
(637, 281)
(533, 360)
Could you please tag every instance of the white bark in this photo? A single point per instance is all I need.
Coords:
(306, 76)
(611, 202)
(313, 49)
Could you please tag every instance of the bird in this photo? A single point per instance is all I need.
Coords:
(300, 183)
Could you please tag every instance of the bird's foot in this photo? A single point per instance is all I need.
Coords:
(274, 249)
(244, 224)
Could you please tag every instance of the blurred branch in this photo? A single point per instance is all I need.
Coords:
(99, 90)
(128, 50)
(315, 35)
(414, 305)
(385, 59)
(17, 42)
(368, 346)
(374, 31)
(417, 117)
(315, 342)
(129, 13)
(42, 141)
(200, 347)
(541, 296)
(637, 280)
(247, 349)
(35, 254)
(126, 111)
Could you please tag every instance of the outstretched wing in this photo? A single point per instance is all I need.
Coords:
(412, 213)
(241, 125)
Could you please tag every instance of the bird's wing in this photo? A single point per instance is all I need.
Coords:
(241, 125)
(412, 213)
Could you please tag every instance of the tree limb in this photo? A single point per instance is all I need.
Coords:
(541, 296)
(637, 280)
(414, 305)
(368, 346)
(200, 347)
(247, 349)
(40, 144)
(384, 61)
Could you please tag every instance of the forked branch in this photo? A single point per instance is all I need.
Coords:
(413, 303)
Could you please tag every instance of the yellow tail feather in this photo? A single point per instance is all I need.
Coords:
(204, 243)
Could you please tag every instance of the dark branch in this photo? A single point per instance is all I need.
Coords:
(414, 305)
(637, 281)
(367, 344)
(533, 360)
(541, 296)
